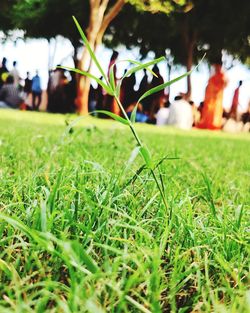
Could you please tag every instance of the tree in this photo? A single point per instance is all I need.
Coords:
(43, 18)
(6, 22)
(48, 18)
(102, 12)
(186, 30)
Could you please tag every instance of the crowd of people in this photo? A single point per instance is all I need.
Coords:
(155, 109)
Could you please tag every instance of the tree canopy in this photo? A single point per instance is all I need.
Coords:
(188, 29)
(6, 22)
(215, 24)
(49, 18)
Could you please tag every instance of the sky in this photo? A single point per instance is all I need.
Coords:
(33, 54)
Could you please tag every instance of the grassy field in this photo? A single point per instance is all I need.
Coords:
(82, 231)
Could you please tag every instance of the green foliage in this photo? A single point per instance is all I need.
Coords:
(215, 24)
(49, 18)
(6, 22)
(154, 5)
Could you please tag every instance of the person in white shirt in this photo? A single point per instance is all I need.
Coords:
(15, 74)
(180, 114)
(162, 114)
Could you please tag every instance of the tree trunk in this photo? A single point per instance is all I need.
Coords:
(189, 65)
(83, 81)
(189, 38)
(98, 24)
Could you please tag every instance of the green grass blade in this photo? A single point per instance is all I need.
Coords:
(43, 216)
(85, 40)
(135, 69)
(53, 194)
(147, 68)
(143, 66)
(146, 156)
(133, 114)
(114, 116)
(112, 77)
(84, 257)
(98, 80)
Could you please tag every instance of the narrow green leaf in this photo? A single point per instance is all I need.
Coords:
(98, 80)
(43, 216)
(133, 179)
(85, 40)
(84, 257)
(135, 69)
(143, 65)
(54, 192)
(114, 116)
(146, 156)
(133, 114)
(112, 76)
(140, 63)
(162, 86)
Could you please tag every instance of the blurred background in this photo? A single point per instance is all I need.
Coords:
(40, 34)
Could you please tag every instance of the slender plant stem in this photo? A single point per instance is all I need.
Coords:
(138, 140)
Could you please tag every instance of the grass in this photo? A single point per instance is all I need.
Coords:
(82, 230)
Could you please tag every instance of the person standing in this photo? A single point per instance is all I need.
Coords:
(127, 92)
(14, 72)
(36, 91)
(3, 72)
(235, 102)
(211, 115)
(27, 85)
(156, 98)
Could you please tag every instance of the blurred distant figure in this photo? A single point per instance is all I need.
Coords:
(27, 85)
(61, 91)
(127, 93)
(158, 97)
(180, 114)
(56, 90)
(99, 96)
(246, 116)
(196, 113)
(70, 90)
(92, 99)
(36, 91)
(163, 114)
(9, 95)
(235, 102)
(3, 72)
(211, 115)
(14, 72)
(140, 117)
(55, 78)
(143, 87)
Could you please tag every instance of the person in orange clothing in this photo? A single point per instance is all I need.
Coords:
(211, 115)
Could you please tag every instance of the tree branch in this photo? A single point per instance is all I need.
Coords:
(109, 16)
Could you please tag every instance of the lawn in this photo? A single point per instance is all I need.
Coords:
(82, 230)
